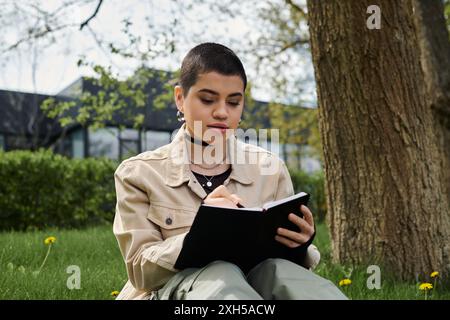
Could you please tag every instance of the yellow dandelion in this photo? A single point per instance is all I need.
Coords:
(434, 275)
(345, 282)
(49, 240)
(115, 293)
(425, 286)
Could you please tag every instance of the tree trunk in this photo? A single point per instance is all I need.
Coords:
(435, 59)
(385, 200)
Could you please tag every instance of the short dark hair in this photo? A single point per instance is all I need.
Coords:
(208, 57)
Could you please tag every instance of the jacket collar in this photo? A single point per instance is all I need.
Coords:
(177, 166)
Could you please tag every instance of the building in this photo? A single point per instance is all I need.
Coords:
(23, 125)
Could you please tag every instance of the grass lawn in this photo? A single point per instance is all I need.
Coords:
(93, 250)
(102, 270)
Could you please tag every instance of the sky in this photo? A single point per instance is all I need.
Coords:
(56, 67)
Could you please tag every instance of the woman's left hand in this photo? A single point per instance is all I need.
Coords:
(294, 239)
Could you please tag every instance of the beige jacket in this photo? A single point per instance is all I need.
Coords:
(158, 197)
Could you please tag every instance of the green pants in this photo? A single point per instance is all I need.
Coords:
(272, 279)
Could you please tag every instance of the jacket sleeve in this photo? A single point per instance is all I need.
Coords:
(284, 190)
(148, 258)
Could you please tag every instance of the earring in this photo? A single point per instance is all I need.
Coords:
(180, 116)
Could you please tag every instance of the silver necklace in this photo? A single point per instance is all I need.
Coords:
(209, 183)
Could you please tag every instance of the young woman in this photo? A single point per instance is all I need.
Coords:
(160, 191)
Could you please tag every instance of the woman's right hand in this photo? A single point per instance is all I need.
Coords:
(221, 197)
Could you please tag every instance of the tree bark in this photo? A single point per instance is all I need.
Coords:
(385, 200)
(435, 60)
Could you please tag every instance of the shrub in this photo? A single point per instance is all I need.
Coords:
(312, 183)
(42, 189)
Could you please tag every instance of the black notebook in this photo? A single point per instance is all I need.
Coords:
(243, 236)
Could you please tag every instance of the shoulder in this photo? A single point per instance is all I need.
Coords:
(251, 148)
(263, 158)
(152, 158)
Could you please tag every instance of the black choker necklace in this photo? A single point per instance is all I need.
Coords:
(197, 141)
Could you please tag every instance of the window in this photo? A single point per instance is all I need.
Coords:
(104, 142)
(78, 144)
(129, 134)
(128, 148)
(64, 146)
(155, 139)
(128, 143)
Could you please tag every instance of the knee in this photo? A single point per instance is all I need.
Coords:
(274, 263)
(223, 268)
(276, 267)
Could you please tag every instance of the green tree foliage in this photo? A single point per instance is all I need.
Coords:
(297, 126)
(114, 96)
(314, 184)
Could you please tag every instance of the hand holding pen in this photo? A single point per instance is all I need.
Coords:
(222, 197)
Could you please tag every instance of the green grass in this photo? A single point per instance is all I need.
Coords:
(391, 288)
(93, 250)
(96, 253)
